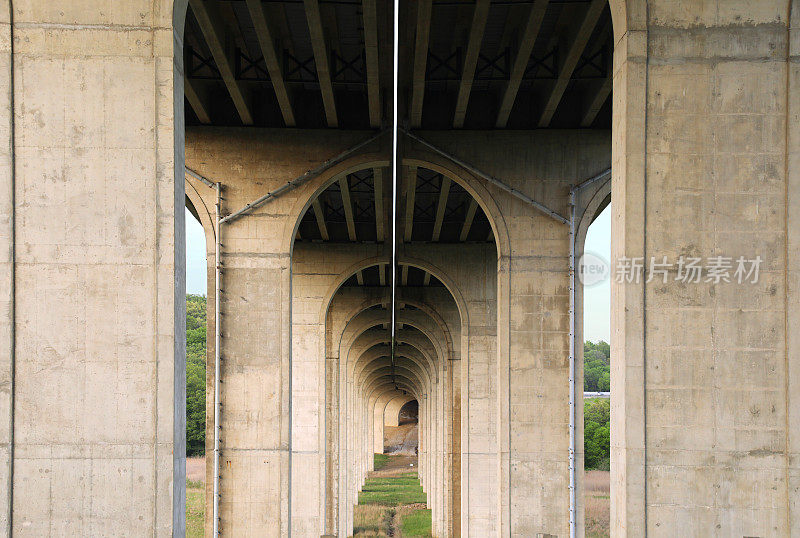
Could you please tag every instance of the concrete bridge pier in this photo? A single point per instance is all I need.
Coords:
(103, 101)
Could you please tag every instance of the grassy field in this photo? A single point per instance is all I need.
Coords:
(417, 523)
(597, 503)
(195, 509)
(392, 502)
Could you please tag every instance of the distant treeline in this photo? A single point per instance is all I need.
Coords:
(597, 411)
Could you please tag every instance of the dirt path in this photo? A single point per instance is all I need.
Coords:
(395, 465)
(196, 469)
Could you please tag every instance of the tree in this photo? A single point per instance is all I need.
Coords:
(597, 412)
(596, 367)
(597, 433)
(195, 375)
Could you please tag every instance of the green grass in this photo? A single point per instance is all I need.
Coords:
(380, 461)
(417, 523)
(392, 491)
(195, 510)
(390, 504)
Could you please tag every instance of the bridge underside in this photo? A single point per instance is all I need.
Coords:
(104, 102)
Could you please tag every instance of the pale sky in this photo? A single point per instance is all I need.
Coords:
(195, 256)
(597, 305)
(597, 298)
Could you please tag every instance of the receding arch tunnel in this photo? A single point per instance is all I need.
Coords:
(478, 271)
(343, 236)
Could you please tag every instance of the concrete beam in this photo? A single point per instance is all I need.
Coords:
(373, 67)
(521, 60)
(440, 208)
(320, 216)
(601, 91)
(321, 60)
(480, 15)
(600, 97)
(470, 216)
(210, 25)
(571, 61)
(265, 40)
(360, 278)
(411, 181)
(348, 208)
(193, 95)
(377, 181)
(420, 61)
(404, 275)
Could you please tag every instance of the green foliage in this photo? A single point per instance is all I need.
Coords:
(596, 433)
(596, 367)
(417, 523)
(381, 460)
(195, 375)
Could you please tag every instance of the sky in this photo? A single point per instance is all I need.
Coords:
(195, 256)
(597, 298)
(597, 301)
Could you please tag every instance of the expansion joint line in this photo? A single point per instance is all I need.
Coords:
(395, 165)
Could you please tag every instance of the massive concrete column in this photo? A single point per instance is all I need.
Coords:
(714, 355)
(6, 262)
(793, 270)
(627, 302)
(99, 295)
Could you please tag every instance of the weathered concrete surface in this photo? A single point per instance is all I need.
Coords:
(6, 261)
(240, 156)
(95, 272)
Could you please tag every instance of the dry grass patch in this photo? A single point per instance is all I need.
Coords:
(597, 504)
(369, 520)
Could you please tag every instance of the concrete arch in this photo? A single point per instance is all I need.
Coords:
(375, 160)
(370, 340)
(370, 356)
(474, 187)
(204, 214)
(445, 279)
(401, 362)
(312, 189)
(594, 206)
(424, 307)
(380, 371)
(343, 277)
(389, 386)
(370, 322)
(627, 16)
(382, 399)
(393, 408)
(402, 380)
